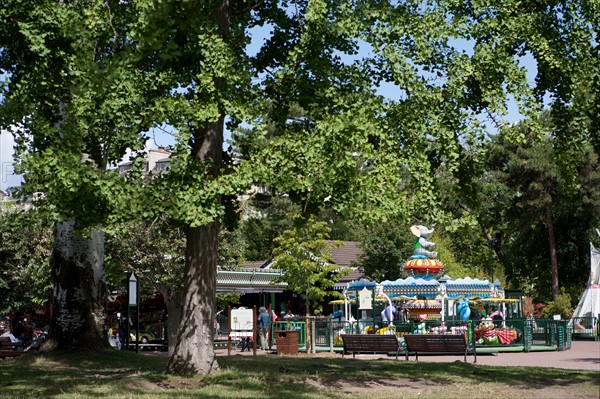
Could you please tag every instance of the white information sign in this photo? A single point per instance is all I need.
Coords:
(365, 299)
(242, 319)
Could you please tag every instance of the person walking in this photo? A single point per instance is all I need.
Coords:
(263, 327)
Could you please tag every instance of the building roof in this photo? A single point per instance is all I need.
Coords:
(344, 256)
(249, 280)
(257, 264)
(160, 150)
(347, 254)
(354, 275)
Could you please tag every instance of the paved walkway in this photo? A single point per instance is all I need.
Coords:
(583, 355)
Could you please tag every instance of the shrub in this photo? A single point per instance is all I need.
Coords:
(561, 305)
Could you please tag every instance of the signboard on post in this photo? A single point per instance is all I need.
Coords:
(242, 326)
(365, 299)
(242, 319)
(133, 282)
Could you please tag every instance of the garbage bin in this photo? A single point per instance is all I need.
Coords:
(287, 342)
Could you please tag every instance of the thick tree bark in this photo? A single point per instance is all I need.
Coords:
(77, 311)
(173, 301)
(552, 245)
(193, 350)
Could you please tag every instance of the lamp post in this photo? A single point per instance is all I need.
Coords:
(132, 295)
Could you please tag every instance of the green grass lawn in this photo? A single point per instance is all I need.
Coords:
(127, 375)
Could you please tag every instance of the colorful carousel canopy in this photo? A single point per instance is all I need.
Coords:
(360, 284)
(469, 288)
(411, 287)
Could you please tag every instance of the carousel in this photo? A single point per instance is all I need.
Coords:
(438, 303)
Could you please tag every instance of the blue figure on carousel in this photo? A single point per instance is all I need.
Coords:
(463, 309)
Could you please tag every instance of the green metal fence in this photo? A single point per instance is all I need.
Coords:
(585, 328)
(516, 333)
(526, 334)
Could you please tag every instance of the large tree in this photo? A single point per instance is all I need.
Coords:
(155, 250)
(72, 104)
(557, 43)
(546, 221)
(88, 77)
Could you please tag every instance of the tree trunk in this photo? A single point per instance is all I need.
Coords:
(173, 301)
(552, 245)
(193, 350)
(78, 301)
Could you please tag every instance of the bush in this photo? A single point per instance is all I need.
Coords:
(561, 305)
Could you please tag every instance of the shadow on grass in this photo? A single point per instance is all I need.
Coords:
(341, 373)
(121, 374)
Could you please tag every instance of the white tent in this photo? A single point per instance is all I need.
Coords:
(589, 304)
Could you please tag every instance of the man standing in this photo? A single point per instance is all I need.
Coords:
(263, 326)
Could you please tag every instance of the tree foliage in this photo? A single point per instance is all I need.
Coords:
(269, 216)
(25, 248)
(154, 250)
(88, 79)
(304, 256)
(386, 246)
(541, 203)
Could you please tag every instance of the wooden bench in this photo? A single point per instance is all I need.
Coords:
(372, 343)
(438, 343)
(8, 348)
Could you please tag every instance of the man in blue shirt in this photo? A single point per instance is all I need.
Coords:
(263, 326)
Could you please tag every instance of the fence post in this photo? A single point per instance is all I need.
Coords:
(313, 334)
(330, 328)
(308, 334)
(561, 337)
(471, 333)
(528, 337)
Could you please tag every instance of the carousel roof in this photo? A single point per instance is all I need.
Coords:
(361, 284)
(469, 287)
(410, 281)
(411, 287)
